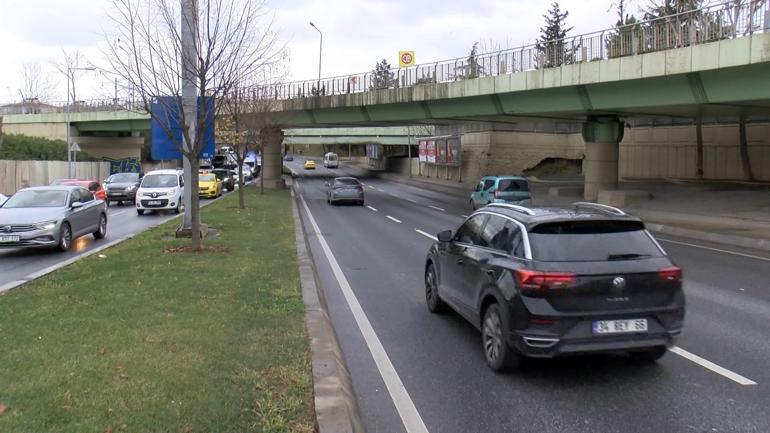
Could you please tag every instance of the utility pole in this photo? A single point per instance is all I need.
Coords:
(69, 114)
(189, 98)
(320, 50)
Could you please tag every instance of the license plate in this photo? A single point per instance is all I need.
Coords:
(112, 193)
(620, 326)
(9, 238)
(153, 203)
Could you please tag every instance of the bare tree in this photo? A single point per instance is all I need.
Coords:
(70, 66)
(37, 84)
(230, 39)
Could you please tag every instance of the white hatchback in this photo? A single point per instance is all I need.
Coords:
(160, 189)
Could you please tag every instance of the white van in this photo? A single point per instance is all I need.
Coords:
(161, 189)
(331, 160)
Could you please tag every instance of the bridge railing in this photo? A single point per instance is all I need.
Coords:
(723, 21)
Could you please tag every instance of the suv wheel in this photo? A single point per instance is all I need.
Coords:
(498, 353)
(648, 356)
(101, 232)
(65, 237)
(434, 301)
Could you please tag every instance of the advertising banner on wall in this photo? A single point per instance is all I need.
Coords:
(431, 151)
(423, 150)
(453, 151)
(373, 151)
(441, 151)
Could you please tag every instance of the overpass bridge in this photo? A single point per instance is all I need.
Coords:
(708, 63)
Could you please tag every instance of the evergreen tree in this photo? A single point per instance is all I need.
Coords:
(474, 68)
(550, 46)
(382, 76)
(626, 40)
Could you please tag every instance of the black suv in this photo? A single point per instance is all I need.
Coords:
(547, 282)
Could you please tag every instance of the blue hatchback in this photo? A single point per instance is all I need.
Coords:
(501, 189)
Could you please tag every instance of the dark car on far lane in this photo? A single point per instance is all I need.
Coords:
(122, 187)
(549, 282)
(226, 176)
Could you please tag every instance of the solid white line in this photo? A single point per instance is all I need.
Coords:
(426, 234)
(437, 208)
(735, 377)
(371, 187)
(413, 423)
(394, 219)
(411, 200)
(716, 249)
(374, 209)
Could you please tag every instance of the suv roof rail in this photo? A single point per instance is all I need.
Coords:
(599, 207)
(515, 207)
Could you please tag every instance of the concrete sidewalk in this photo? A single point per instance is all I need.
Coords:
(730, 213)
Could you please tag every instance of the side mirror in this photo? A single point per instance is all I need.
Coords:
(445, 236)
(141, 175)
(76, 205)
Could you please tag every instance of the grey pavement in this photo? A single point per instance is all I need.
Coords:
(439, 359)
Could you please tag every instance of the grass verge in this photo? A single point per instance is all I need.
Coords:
(145, 340)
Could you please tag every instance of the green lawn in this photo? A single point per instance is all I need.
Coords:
(144, 340)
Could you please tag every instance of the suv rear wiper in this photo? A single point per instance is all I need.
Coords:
(626, 256)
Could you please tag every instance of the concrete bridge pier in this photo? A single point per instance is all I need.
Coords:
(602, 136)
(272, 160)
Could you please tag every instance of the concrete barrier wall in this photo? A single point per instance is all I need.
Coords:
(658, 152)
(19, 174)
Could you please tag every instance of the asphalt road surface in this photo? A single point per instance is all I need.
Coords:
(414, 371)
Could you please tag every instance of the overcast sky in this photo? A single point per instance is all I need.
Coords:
(356, 33)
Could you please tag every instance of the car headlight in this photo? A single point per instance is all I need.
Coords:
(45, 225)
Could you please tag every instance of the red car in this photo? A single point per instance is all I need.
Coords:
(91, 185)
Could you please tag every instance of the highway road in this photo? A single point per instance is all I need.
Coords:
(414, 371)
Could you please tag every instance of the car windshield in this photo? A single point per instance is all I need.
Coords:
(346, 182)
(124, 178)
(37, 198)
(159, 181)
(207, 178)
(332, 157)
(585, 241)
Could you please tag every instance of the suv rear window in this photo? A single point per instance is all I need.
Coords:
(588, 241)
(512, 185)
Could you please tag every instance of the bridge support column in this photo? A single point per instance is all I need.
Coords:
(602, 136)
(272, 161)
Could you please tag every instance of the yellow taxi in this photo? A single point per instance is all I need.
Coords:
(208, 185)
(309, 164)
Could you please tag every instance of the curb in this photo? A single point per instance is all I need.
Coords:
(731, 240)
(37, 274)
(336, 406)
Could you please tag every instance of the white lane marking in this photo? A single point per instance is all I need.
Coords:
(394, 219)
(411, 200)
(464, 216)
(428, 235)
(374, 209)
(371, 187)
(380, 190)
(436, 207)
(767, 259)
(412, 420)
(735, 377)
(117, 213)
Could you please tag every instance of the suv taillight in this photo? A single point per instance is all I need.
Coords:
(535, 281)
(672, 273)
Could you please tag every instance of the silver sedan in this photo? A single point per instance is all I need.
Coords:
(345, 189)
(51, 216)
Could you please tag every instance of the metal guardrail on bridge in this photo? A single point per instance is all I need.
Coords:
(713, 23)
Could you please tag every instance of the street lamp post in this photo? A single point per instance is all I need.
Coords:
(320, 50)
(69, 114)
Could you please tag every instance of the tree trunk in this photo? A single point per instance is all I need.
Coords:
(744, 145)
(699, 145)
(195, 204)
(261, 174)
(241, 203)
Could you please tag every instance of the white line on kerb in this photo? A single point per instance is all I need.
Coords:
(735, 377)
(437, 208)
(716, 249)
(412, 420)
(428, 235)
(394, 219)
(374, 209)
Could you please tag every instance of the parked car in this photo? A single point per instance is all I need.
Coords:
(122, 187)
(288, 157)
(331, 160)
(345, 189)
(3, 198)
(226, 177)
(51, 216)
(501, 189)
(209, 186)
(91, 185)
(160, 189)
(56, 182)
(309, 164)
(544, 282)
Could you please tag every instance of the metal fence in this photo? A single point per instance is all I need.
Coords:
(723, 21)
